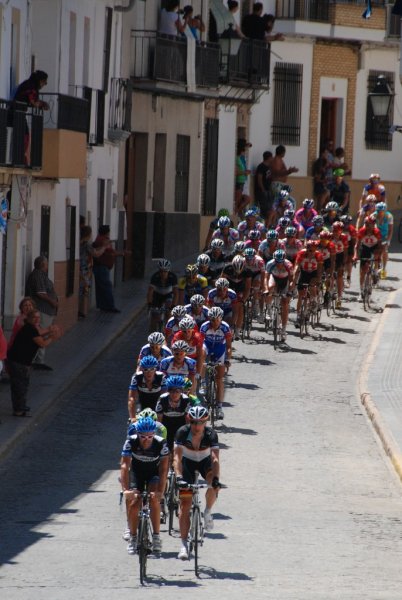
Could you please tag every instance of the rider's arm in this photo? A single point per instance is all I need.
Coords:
(177, 460)
(132, 402)
(247, 289)
(215, 462)
(163, 469)
(150, 294)
(125, 464)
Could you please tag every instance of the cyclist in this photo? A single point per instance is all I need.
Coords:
(192, 283)
(250, 223)
(179, 363)
(146, 386)
(238, 250)
(197, 309)
(313, 232)
(227, 234)
(253, 239)
(373, 187)
(328, 251)
(217, 258)
(193, 338)
(331, 214)
(305, 215)
(223, 212)
(267, 247)
(223, 297)
(217, 348)
(279, 275)
(196, 448)
(367, 209)
(385, 223)
(156, 347)
(255, 264)
(172, 326)
(147, 412)
(162, 292)
(172, 407)
(309, 266)
(290, 214)
(340, 241)
(340, 191)
(368, 246)
(290, 244)
(203, 262)
(240, 282)
(281, 227)
(350, 231)
(144, 461)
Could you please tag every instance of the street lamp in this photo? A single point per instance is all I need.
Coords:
(380, 98)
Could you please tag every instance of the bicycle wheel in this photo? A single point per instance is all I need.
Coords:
(275, 327)
(196, 537)
(266, 319)
(367, 289)
(171, 501)
(143, 548)
(211, 398)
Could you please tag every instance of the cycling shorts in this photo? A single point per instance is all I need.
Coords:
(140, 477)
(191, 466)
(159, 300)
(281, 283)
(217, 357)
(366, 252)
(339, 260)
(327, 264)
(306, 277)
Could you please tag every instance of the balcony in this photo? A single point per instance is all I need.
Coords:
(120, 109)
(65, 137)
(393, 23)
(324, 11)
(244, 62)
(21, 136)
(164, 58)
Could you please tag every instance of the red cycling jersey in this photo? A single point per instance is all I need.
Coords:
(308, 262)
(196, 341)
(369, 239)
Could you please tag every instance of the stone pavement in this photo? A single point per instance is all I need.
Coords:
(70, 356)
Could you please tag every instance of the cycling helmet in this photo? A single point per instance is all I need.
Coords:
(198, 413)
(255, 209)
(191, 270)
(289, 213)
(238, 263)
(318, 221)
(197, 300)
(337, 225)
(284, 222)
(250, 213)
(239, 246)
(249, 253)
(332, 206)
(371, 198)
(145, 425)
(203, 260)
(254, 234)
(156, 338)
(187, 323)
(179, 312)
(311, 245)
(325, 235)
(290, 231)
(346, 219)
(223, 222)
(217, 244)
(147, 412)
(284, 194)
(381, 206)
(149, 362)
(223, 212)
(221, 283)
(180, 345)
(272, 235)
(308, 203)
(370, 220)
(374, 176)
(164, 264)
(175, 381)
(215, 313)
(279, 256)
(338, 172)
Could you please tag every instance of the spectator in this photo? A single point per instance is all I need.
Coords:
(329, 146)
(170, 22)
(339, 161)
(340, 192)
(3, 351)
(253, 25)
(41, 289)
(242, 172)
(263, 180)
(87, 253)
(20, 356)
(279, 172)
(25, 306)
(233, 7)
(269, 22)
(103, 264)
(193, 23)
(320, 189)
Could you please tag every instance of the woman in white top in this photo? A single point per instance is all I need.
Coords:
(170, 22)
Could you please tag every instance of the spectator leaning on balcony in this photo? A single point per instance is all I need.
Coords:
(193, 25)
(269, 22)
(28, 93)
(169, 21)
(253, 25)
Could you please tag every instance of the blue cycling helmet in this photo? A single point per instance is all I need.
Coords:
(279, 256)
(148, 362)
(175, 381)
(272, 234)
(250, 213)
(381, 206)
(284, 194)
(146, 425)
(223, 222)
(256, 209)
(290, 231)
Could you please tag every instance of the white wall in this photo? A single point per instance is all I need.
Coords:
(226, 158)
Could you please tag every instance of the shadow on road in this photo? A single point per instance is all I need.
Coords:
(226, 429)
(212, 573)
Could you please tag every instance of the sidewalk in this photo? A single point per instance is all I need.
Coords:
(70, 356)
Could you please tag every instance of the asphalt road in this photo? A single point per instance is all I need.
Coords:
(312, 509)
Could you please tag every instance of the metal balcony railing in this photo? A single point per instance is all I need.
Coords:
(160, 57)
(245, 61)
(305, 10)
(120, 103)
(93, 122)
(65, 112)
(21, 135)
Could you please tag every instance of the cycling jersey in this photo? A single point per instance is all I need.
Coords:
(282, 270)
(327, 251)
(148, 397)
(192, 287)
(209, 441)
(377, 189)
(217, 262)
(169, 367)
(195, 342)
(255, 266)
(163, 287)
(225, 303)
(384, 223)
(369, 239)
(304, 217)
(200, 318)
(237, 280)
(313, 233)
(308, 263)
(215, 339)
(291, 247)
(146, 351)
(244, 229)
(229, 240)
(142, 458)
(267, 249)
(173, 416)
(340, 243)
(350, 232)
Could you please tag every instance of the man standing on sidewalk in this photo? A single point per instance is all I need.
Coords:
(41, 289)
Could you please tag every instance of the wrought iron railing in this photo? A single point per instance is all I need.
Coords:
(305, 10)
(21, 135)
(65, 112)
(120, 103)
(207, 64)
(245, 61)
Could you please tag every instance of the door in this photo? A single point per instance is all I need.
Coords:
(328, 127)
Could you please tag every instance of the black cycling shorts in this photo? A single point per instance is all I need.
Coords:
(191, 466)
(306, 277)
(140, 477)
(339, 260)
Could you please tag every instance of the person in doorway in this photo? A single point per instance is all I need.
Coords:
(41, 289)
(87, 254)
(242, 172)
(263, 186)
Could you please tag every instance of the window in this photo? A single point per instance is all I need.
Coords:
(44, 231)
(377, 128)
(210, 166)
(182, 173)
(106, 48)
(71, 227)
(158, 200)
(288, 80)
